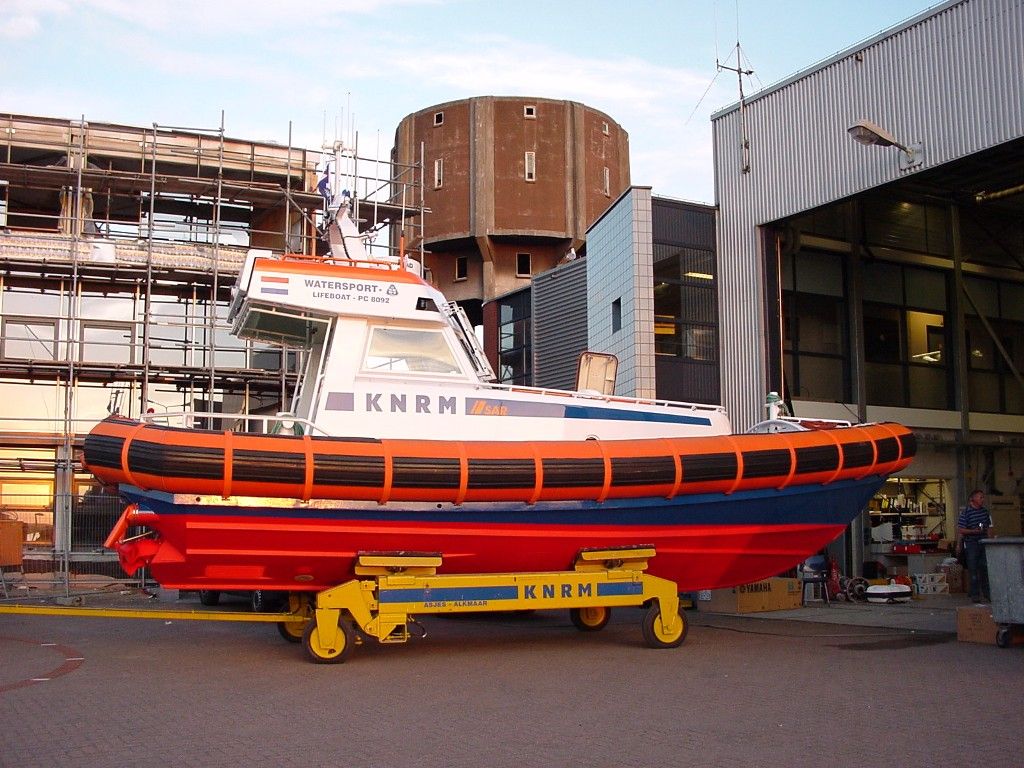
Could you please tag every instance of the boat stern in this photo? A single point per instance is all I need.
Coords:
(137, 551)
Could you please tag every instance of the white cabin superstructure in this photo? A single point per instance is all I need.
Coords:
(387, 356)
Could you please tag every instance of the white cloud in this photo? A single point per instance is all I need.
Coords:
(18, 27)
(22, 19)
(240, 17)
(186, 60)
(504, 66)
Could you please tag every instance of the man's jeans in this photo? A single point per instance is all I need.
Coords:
(977, 568)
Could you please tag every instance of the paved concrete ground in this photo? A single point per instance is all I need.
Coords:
(506, 690)
(931, 613)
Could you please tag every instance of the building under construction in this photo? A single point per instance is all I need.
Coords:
(119, 246)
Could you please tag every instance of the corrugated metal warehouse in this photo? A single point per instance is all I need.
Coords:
(871, 251)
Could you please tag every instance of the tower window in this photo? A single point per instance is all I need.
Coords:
(461, 267)
(523, 265)
(530, 112)
(604, 128)
(439, 173)
(531, 166)
(606, 182)
(439, 118)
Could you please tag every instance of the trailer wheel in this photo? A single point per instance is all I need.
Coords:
(591, 618)
(657, 634)
(321, 654)
(292, 631)
(1003, 637)
(209, 597)
(298, 605)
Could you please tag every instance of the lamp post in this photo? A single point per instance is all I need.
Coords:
(870, 134)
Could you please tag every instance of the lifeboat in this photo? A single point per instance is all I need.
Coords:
(237, 511)
(398, 439)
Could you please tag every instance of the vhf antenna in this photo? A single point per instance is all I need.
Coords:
(740, 72)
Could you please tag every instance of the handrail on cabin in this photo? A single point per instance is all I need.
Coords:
(393, 263)
(603, 397)
(266, 419)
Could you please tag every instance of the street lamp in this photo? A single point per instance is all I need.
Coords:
(871, 134)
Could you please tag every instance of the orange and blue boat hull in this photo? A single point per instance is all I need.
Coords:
(233, 511)
(703, 541)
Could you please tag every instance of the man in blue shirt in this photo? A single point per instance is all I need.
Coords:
(973, 525)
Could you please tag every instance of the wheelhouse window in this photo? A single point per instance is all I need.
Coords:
(407, 350)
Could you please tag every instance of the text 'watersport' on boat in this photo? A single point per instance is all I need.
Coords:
(398, 441)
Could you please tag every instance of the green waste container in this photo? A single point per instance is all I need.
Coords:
(1005, 557)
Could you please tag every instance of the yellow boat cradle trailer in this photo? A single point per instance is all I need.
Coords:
(393, 586)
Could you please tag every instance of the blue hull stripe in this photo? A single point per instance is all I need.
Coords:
(484, 406)
(833, 504)
(613, 414)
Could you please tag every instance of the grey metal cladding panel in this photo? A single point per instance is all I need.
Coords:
(681, 224)
(953, 81)
(685, 380)
(559, 324)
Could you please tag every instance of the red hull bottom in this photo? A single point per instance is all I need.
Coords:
(233, 553)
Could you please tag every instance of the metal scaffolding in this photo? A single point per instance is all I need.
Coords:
(118, 249)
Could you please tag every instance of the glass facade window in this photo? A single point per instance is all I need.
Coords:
(25, 339)
(169, 335)
(991, 384)
(107, 305)
(23, 300)
(685, 313)
(906, 342)
(515, 352)
(906, 226)
(904, 326)
(107, 343)
(814, 327)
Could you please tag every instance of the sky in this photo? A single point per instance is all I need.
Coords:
(333, 68)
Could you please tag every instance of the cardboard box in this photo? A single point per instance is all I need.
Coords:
(768, 595)
(974, 624)
(932, 589)
(12, 536)
(954, 577)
